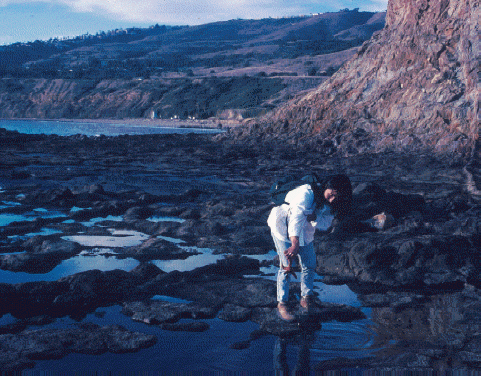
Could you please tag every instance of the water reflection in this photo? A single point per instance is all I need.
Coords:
(8, 218)
(303, 359)
(76, 264)
(119, 238)
(206, 257)
(95, 221)
(156, 218)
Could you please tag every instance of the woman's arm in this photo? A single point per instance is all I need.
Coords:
(294, 248)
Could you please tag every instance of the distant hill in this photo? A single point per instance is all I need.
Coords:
(282, 57)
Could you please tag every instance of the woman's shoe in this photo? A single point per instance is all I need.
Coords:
(306, 302)
(284, 312)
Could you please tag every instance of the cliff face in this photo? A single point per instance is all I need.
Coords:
(415, 84)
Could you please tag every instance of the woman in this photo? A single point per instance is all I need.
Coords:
(306, 208)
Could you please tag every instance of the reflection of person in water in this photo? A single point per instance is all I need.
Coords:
(302, 367)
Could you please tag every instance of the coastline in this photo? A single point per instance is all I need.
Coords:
(144, 122)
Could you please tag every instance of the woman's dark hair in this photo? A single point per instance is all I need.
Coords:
(342, 184)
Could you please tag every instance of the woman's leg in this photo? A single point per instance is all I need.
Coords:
(282, 277)
(307, 262)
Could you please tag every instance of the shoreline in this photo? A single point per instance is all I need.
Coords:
(144, 122)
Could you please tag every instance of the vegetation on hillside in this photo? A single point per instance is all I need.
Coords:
(151, 51)
(188, 71)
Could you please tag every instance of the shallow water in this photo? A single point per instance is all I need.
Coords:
(76, 264)
(8, 218)
(205, 258)
(119, 238)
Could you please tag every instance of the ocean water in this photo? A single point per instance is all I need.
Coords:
(91, 128)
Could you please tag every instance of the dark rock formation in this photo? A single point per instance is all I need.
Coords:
(20, 351)
(414, 85)
(220, 189)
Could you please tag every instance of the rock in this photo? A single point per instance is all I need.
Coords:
(156, 249)
(160, 312)
(231, 312)
(19, 351)
(137, 213)
(146, 271)
(418, 262)
(270, 321)
(40, 256)
(408, 73)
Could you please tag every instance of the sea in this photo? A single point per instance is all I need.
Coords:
(106, 128)
(209, 352)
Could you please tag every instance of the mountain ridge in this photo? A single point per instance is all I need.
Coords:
(249, 66)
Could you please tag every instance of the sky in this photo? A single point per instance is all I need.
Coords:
(27, 20)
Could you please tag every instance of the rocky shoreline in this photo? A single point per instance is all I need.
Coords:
(419, 277)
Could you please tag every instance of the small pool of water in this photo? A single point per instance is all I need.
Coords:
(42, 232)
(8, 218)
(8, 204)
(76, 264)
(119, 238)
(206, 257)
(95, 221)
(165, 219)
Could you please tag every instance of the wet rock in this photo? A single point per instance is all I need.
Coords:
(420, 261)
(193, 229)
(40, 255)
(75, 295)
(157, 249)
(251, 239)
(231, 312)
(145, 271)
(136, 213)
(160, 312)
(62, 197)
(19, 351)
(270, 321)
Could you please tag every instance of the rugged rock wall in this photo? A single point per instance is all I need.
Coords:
(415, 84)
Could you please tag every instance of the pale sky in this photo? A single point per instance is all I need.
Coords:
(25, 20)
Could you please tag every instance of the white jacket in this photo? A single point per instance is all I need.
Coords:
(290, 219)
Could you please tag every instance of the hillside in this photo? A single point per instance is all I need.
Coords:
(414, 85)
(199, 71)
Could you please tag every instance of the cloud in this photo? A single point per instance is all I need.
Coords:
(203, 11)
(184, 11)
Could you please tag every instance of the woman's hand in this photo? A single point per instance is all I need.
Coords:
(293, 250)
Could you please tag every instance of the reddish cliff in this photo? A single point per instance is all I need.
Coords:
(415, 84)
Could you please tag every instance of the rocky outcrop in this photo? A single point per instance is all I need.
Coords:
(421, 251)
(415, 85)
(20, 351)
